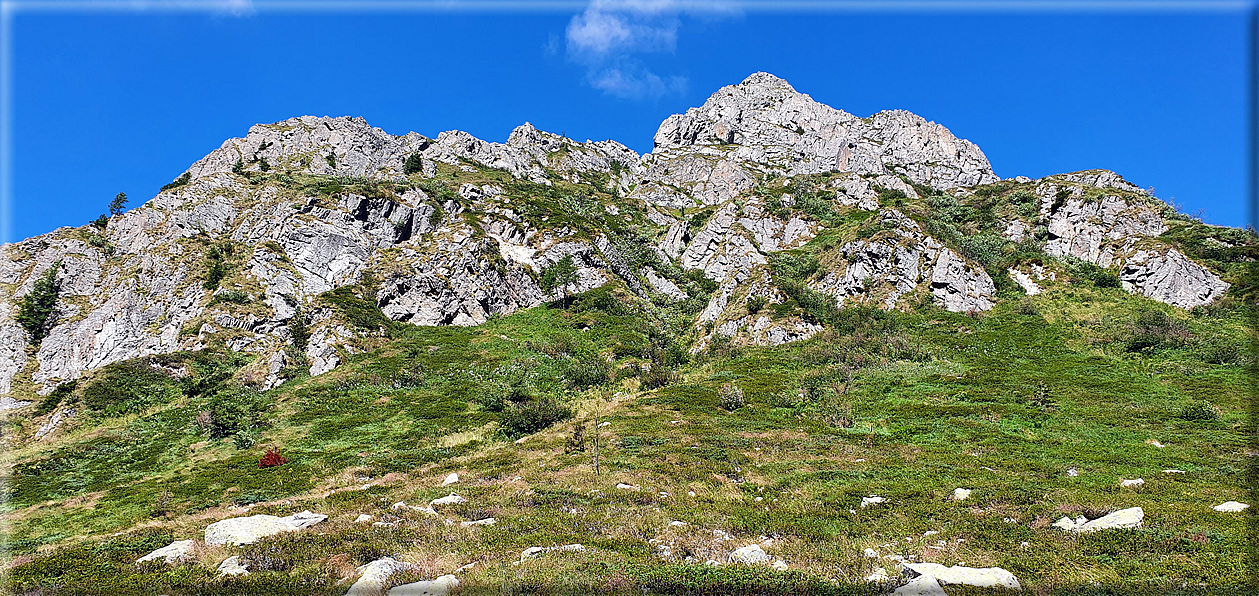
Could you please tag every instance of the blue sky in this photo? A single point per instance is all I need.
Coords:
(112, 101)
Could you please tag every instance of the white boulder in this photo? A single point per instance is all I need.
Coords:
(1231, 507)
(175, 552)
(986, 577)
(451, 479)
(751, 554)
(233, 565)
(451, 499)
(374, 576)
(247, 530)
(923, 585)
(441, 586)
(961, 494)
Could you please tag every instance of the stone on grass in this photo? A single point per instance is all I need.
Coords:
(534, 552)
(451, 479)
(1134, 483)
(1072, 472)
(870, 553)
(441, 586)
(489, 521)
(623, 486)
(986, 577)
(451, 499)
(1231, 507)
(175, 552)
(751, 554)
(374, 576)
(233, 565)
(923, 585)
(780, 565)
(879, 576)
(247, 530)
(363, 518)
(1124, 518)
(871, 500)
(961, 494)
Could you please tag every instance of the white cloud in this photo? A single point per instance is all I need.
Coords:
(608, 36)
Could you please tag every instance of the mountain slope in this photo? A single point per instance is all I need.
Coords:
(388, 309)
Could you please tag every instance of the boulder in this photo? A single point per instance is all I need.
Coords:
(1124, 518)
(374, 576)
(175, 552)
(451, 499)
(489, 521)
(534, 552)
(986, 577)
(871, 500)
(247, 530)
(451, 479)
(1133, 483)
(961, 494)
(923, 585)
(233, 565)
(751, 554)
(1231, 507)
(441, 586)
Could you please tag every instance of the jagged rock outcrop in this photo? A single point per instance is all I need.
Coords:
(895, 263)
(301, 207)
(763, 120)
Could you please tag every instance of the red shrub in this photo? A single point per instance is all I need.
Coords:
(272, 458)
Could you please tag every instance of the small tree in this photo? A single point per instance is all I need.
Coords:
(560, 275)
(117, 205)
(413, 165)
(37, 310)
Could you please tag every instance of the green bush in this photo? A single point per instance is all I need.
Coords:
(129, 387)
(1083, 270)
(730, 397)
(1154, 329)
(37, 309)
(235, 413)
(756, 303)
(54, 398)
(178, 182)
(587, 370)
(230, 296)
(531, 417)
(413, 165)
(1199, 411)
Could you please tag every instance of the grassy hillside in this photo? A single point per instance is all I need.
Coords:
(904, 405)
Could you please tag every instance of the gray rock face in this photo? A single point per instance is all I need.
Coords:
(893, 264)
(1171, 278)
(1096, 231)
(769, 122)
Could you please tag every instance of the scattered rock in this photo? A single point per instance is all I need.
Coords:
(233, 565)
(1173, 471)
(247, 530)
(870, 553)
(489, 521)
(961, 494)
(364, 518)
(1155, 443)
(751, 554)
(871, 500)
(623, 486)
(986, 577)
(451, 479)
(879, 576)
(1072, 473)
(176, 552)
(451, 499)
(1124, 518)
(780, 565)
(441, 586)
(1134, 483)
(1231, 507)
(534, 552)
(677, 523)
(374, 576)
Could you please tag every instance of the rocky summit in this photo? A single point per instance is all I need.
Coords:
(781, 276)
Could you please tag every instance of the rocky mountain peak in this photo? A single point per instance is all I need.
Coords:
(766, 121)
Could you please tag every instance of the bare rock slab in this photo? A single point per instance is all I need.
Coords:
(176, 552)
(441, 586)
(986, 577)
(374, 576)
(247, 530)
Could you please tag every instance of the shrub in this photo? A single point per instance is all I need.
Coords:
(264, 165)
(238, 167)
(1084, 270)
(54, 399)
(37, 309)
(531, 417)
(657, 377)
(128, 387)
(178, 182)
(231, 296)
(413, 165)
(756, 303)
(1199, 411)
(232, 413)
(1154, 329)
(986, 249)
(730, 397)
(588, 370)
(272, 459)
(101, 222)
